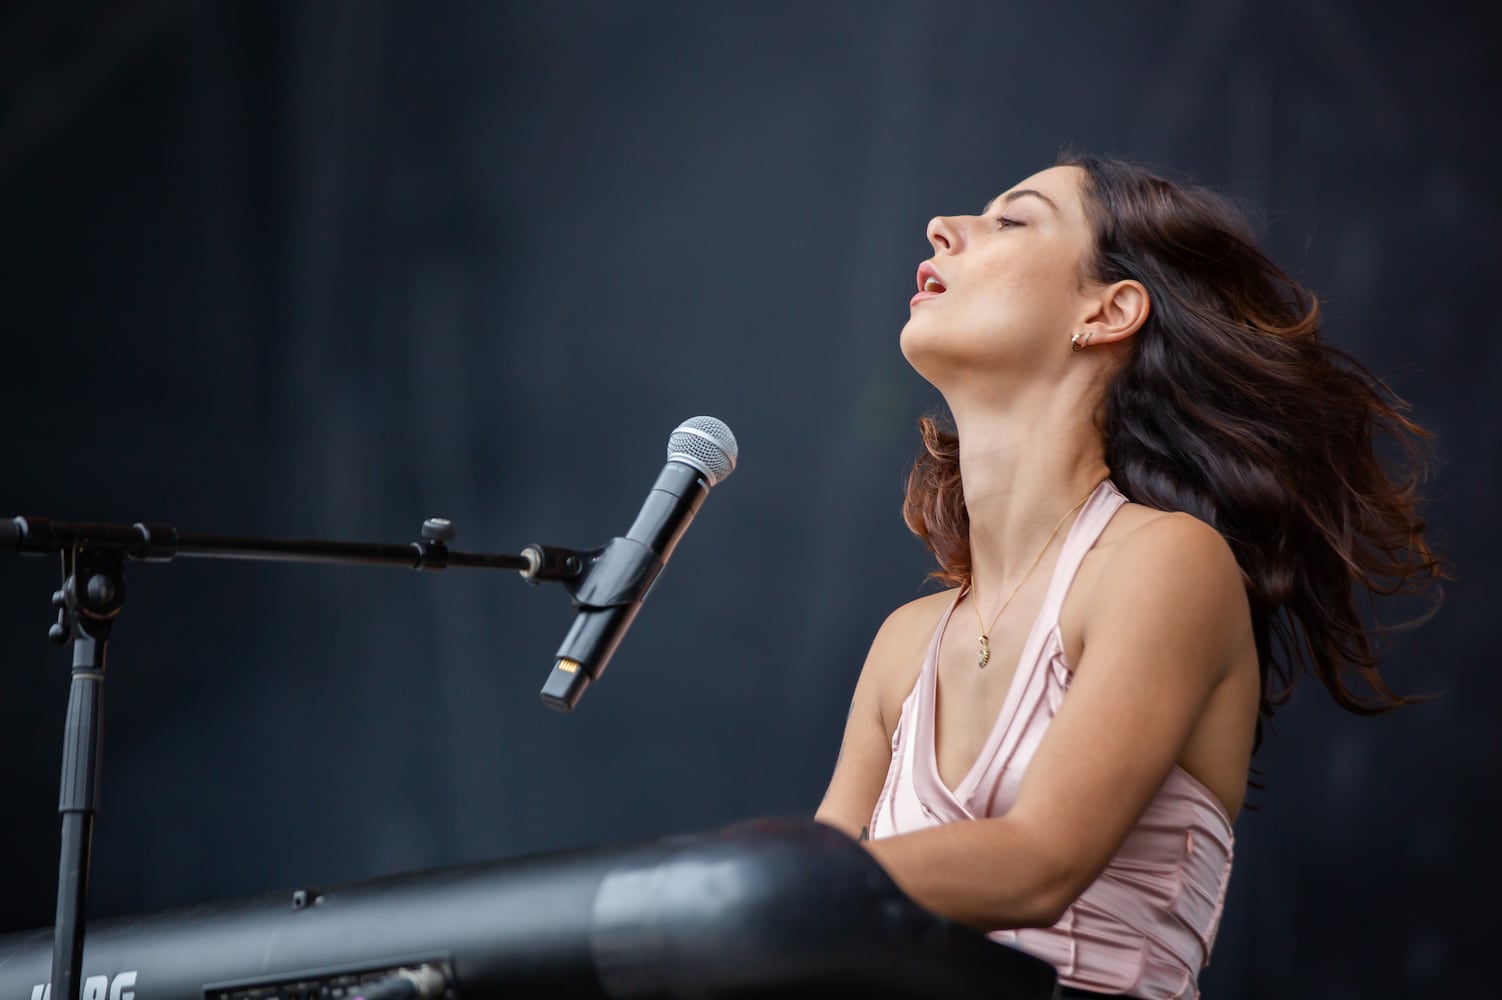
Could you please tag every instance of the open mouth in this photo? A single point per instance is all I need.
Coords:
(929, 280)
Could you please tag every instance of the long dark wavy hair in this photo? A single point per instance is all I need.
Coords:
(1229, 407)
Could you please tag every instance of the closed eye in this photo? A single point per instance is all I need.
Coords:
(1002, 222)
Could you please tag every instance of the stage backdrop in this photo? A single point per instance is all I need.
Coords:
(326, 269)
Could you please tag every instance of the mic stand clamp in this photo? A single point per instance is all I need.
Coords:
(553, 564)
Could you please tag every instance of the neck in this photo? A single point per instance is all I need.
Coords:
(1023, 466)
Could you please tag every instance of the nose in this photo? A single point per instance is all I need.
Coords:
(943, 234)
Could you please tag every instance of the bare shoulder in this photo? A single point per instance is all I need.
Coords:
(908, 628)
(1146, 533)
(918, 614)
(1171, 561)
(1182, 542)
(897, 651)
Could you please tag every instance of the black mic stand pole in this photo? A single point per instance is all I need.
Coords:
(92, 594)
(91, 598)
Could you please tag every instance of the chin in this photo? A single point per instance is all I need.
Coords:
(921, 350)
(908, 340)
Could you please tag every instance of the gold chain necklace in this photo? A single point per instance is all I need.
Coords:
(983, 655)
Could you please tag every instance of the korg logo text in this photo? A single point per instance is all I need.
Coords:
(96, 988)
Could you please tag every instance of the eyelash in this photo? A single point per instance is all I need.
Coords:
(1003, 222)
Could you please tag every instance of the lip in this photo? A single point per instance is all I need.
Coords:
(926, 270)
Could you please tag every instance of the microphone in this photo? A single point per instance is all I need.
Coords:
(701, 454)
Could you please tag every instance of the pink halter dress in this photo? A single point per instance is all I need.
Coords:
(1145, 926)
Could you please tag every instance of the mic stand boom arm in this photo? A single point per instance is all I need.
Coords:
(91, 598)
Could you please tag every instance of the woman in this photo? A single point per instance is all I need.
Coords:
(1159, 492)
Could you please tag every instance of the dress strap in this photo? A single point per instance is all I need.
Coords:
(1027, 684)
(1083, 534)
(1031, 682)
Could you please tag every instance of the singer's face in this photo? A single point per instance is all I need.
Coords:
(1005, 290)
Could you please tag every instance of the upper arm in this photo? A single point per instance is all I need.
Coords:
(1159, 636)
(866, 748)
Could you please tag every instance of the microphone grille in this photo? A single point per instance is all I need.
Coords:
(706, 444)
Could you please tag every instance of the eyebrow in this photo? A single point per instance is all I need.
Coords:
(1012, 196)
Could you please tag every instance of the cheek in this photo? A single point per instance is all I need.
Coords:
(1038, 295)
(1009, 305)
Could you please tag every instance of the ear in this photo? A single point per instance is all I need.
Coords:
(1118, 310)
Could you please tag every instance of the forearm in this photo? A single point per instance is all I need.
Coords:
(989, 874)
(854, 829)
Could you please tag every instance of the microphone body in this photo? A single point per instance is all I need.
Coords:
(701, 452)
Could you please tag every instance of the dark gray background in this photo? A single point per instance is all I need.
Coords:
(327, 268)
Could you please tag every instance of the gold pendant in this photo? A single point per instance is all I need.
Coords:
(984, 656)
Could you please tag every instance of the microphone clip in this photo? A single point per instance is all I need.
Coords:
(618, 573)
